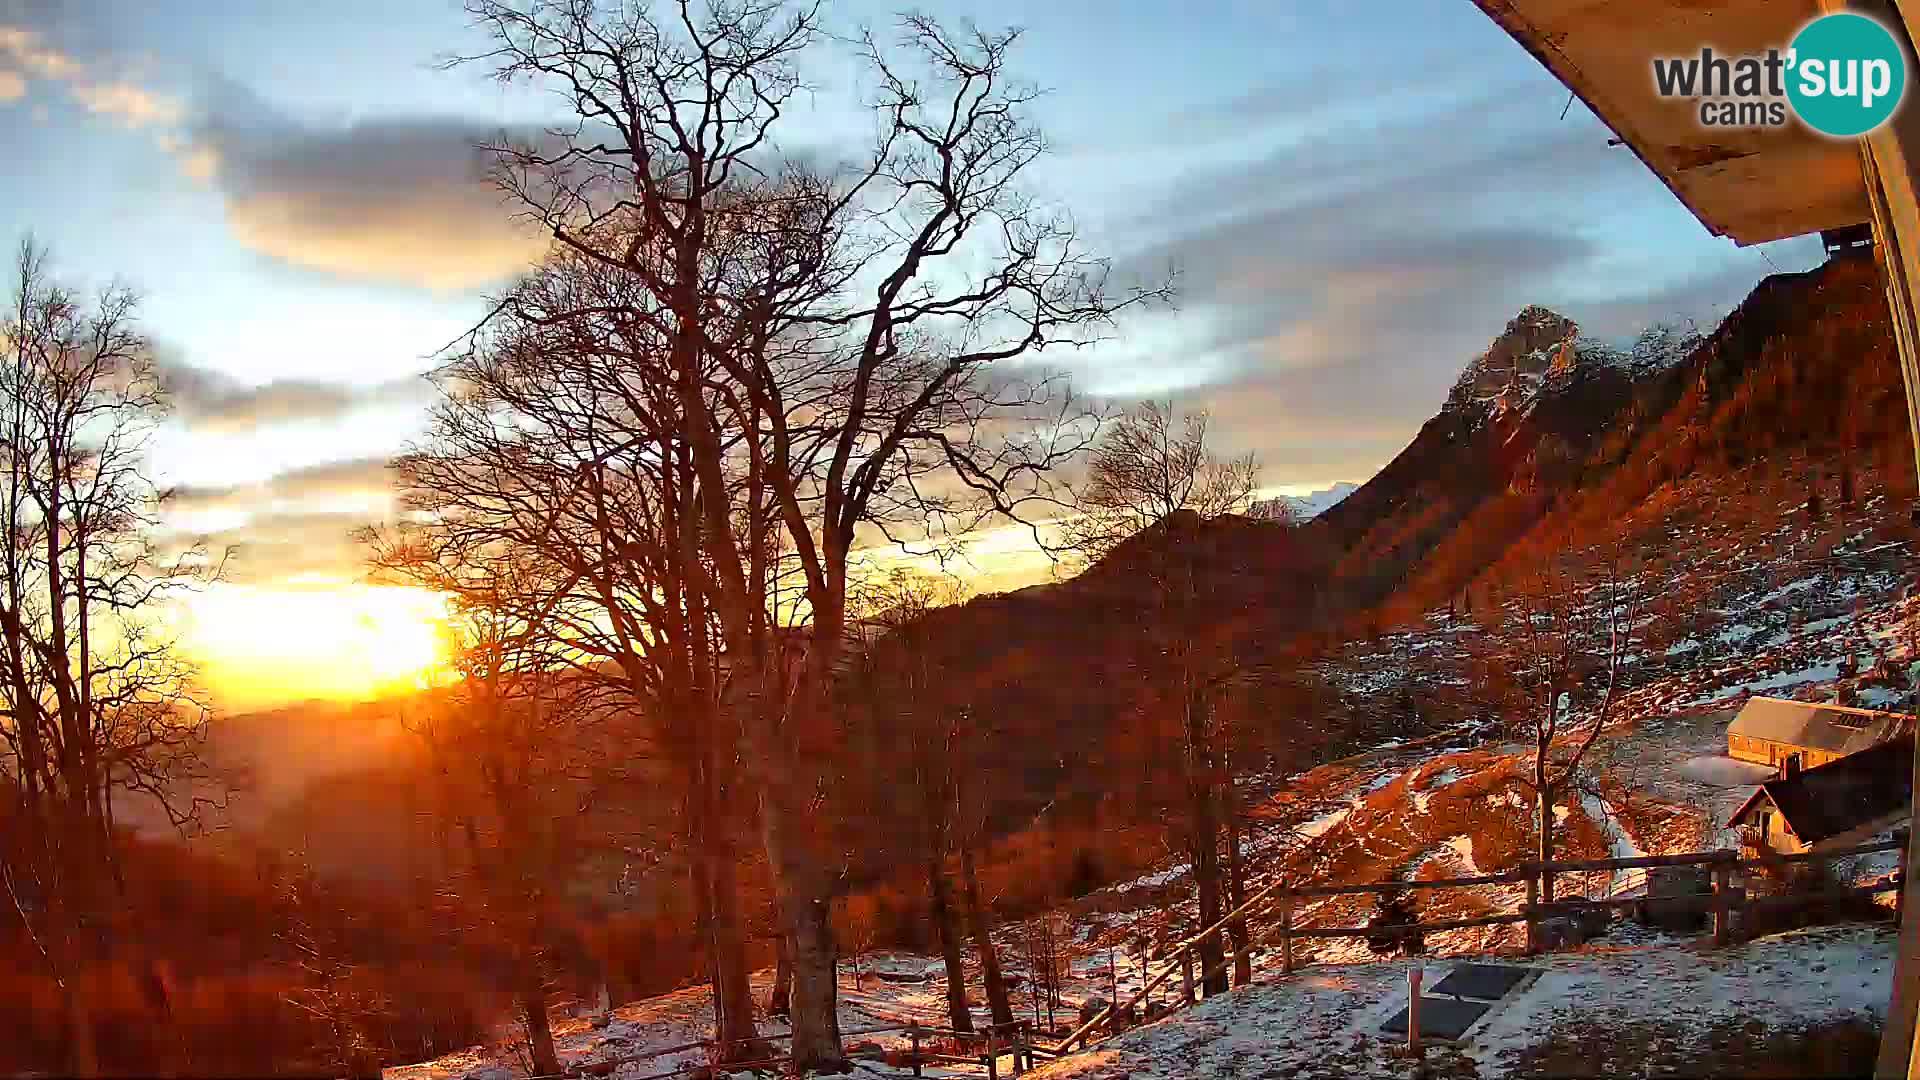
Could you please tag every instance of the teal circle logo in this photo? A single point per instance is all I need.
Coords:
(1846, 74)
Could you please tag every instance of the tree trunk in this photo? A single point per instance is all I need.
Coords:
(796, 841)
(941, 893)
(732, 988)
(1237, 894)
(533, 1013)
(1206, 877)
(362, 1063)
(83, 1053)
(816, 1019)
(982, 927)
(83, 937)
(804, 895)
(780, 999)
(1204, 841)
(1543, 804)
(719, 899)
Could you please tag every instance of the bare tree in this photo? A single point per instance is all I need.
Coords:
(94, 700)
(332, 990)
(915, 733)
(1151, 478)
(1556, 666)
(825, 333)
(1043, 945)
(552, 447)
(931, 715)
(980, 925)
(505, 731)
(1148, 466)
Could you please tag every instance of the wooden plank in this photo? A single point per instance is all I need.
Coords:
(1691, 858)
(1403, 886)
(1408, 928)
(1166, 972)
(1684, 902)
(1257, 902)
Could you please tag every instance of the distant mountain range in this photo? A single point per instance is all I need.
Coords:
(1306, 507)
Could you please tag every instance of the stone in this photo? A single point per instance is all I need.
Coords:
(1668, 882)
(1559, 932)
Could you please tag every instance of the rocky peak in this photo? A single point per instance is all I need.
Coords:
(1537, 344)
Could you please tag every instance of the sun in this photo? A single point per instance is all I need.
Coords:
(258, 645)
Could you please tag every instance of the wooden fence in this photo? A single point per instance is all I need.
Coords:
(1276, 901)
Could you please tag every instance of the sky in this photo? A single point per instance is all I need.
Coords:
(1354, 206)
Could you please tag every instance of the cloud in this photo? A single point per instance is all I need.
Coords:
(27, 53)
(1701, 299)
(402, 200)
(367, 482)
(131, 105)
(281, 547)
(213, 401)
(299, 524)
(1335, 280)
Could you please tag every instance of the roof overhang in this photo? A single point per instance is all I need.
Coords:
(1752, 185)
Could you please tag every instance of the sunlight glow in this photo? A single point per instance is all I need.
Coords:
(261, 645)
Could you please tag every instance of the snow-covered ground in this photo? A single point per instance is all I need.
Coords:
(1324, 1022)
(1784, 617)
(894, 989)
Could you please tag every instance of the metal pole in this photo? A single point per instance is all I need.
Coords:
(1722, 898)
(1533, 916)
(1414, 977)
(1900, 898)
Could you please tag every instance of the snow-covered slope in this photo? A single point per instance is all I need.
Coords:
(1314, 503)
(1667, 1010)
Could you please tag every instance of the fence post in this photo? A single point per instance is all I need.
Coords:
(913, 1036)
(1533, 904)
(993, 1059)
(1186, 976)
(1722, 902)
(1286, 934)
(1414, 977)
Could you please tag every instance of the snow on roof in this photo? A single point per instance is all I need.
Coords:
(1814, 725)
(1840, 796)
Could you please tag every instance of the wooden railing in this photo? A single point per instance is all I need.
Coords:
(1276, 900)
